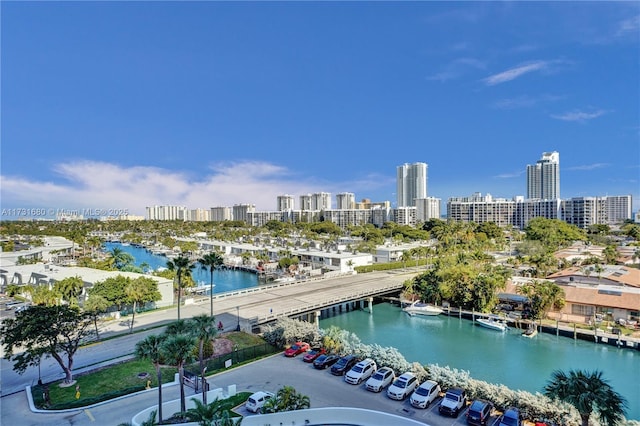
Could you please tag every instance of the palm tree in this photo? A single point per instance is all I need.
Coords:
(286, 399)
(136, 293)
(216, 413)
(588, 392)
(183, 267)
(204, 329)
(119, 258)
(178, 350)
(96, 305)
(69, 289)
(150, 348)
(211, 262)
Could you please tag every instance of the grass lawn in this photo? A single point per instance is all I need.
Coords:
(118, 379)
(103, 384)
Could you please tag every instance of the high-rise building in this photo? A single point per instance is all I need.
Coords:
(241, 211)
(345, 201)
(411, 183)
(305, 202)
(221, 213)
(285, 203)
(543, 178)
(427, 208)
(321, 201)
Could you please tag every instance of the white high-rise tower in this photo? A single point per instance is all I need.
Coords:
(543, 178)
(411, 183)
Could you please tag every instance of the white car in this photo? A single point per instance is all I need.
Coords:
(402, 386)
(361, 371)
(257, 400)
(425, 394)
(381, 379)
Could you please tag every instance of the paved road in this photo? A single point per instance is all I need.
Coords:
(273, 301)
(323, 389)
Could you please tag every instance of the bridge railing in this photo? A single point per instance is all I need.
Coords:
(261, 319)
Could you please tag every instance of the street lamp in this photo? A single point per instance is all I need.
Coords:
(238, 315)
(204, 387)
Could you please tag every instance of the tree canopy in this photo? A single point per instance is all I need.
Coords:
(54, 331)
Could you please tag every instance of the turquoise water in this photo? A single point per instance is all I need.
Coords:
(223, 279)
(495, 357)
(492, 356)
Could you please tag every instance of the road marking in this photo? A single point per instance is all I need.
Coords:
(88, 413)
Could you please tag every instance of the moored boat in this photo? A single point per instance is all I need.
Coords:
(530, 332)
(494, 323)
(420, 308)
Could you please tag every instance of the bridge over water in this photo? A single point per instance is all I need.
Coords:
(305, 299)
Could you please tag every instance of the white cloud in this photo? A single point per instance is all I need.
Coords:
(457, 68)
(580, 116)
(513, 73)
(100, 185)
(510, 175)
(629, 25)
(590, 166)
(525, 101)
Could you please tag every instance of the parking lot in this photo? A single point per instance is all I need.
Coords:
(325, 389)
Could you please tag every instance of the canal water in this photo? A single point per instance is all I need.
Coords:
(223, 279)
(495, 357)
(492, 356)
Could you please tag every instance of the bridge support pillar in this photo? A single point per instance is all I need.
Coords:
(371, 305)
(317, 319)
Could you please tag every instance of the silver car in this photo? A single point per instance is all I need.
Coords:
(381, 379)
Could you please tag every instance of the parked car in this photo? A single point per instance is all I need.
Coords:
(425, 394)
(479, 412)
(511, 417)
(381, 379)
(453, 402)
(361, 371)
(343, 365)
(296, 349)
(313, 354)
(402, 386)
(257, 400)
(325, 361)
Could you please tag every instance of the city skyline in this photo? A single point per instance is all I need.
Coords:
(122, 105)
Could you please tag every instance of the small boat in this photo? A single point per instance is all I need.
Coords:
(530, 332)
(419, 308)
(494, 323)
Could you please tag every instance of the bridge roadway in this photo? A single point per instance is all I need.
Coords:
(267, 303)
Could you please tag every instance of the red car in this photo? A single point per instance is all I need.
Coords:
(313, 354)
(296, 349)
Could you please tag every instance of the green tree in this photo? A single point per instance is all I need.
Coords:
(119, 258)
(543, 295)
(210, 262)
(54, 331)
(151, 348)
(215, 414)
(69, 288)
(95, 306)
(286, 399)
(178, 350)
(43, 295)
(589, 393)
(140, 291)
(203, 327)
(182, 267)
(112, 289)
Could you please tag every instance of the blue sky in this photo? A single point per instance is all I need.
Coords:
(116, 105)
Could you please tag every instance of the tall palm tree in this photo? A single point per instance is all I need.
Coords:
(119, 258)
(151, 348)
(588, 392)
(211, 262)
(183, 267)
(178, 350)
(69, 289)
(203, 327)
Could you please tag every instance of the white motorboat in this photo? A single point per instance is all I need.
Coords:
(419, 308)
(494, 323)
(530, 332)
